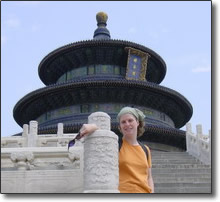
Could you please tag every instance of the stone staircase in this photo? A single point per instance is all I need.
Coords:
(178, 172)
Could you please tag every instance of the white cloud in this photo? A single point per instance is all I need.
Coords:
(13, 22)
(201, 69)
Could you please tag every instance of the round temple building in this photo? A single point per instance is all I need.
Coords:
(103, 74)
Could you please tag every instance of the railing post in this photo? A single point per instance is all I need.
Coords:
(32, 136)
(199, 137)
(25, 130)
(60, 129)
(60, 142)
(25, 135)
(101, 172)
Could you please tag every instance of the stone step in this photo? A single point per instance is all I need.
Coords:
(174, 157)
(175, 166)
(181, 185)
(168, 153)
(182, 156)
(188, 190)
(180, 170)
(175, 161)
(201, 179)
(182, 175)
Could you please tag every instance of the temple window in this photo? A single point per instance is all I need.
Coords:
(100, 69)
(116, 70)
(84, 108)
(91, 70)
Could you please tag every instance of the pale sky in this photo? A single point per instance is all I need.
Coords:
(179, 31)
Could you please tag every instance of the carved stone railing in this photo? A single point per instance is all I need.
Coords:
(34, 163)
(42, 170)
(198, 144)
(30, 138)
(45, 158)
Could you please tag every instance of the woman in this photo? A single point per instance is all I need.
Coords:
(134, 168)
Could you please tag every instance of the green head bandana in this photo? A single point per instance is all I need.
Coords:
(134, 111)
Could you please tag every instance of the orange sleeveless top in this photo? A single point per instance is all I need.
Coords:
(133, 169)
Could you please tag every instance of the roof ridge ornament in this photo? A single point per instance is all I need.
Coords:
(101, 32)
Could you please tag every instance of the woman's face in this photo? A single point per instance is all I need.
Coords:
(128, 125)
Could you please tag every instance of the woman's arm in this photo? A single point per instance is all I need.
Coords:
(87, 129)
(150, 180)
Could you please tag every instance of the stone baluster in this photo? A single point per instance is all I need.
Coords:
(25, 135)
(199, 137)
(61, 142)
(25, 130)
(60, 129)
(101, 172)
(32, 136)
(192, 141)
(199, 131)
(188, 136)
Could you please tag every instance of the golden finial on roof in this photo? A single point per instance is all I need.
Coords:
(101, 32)
(101, 17)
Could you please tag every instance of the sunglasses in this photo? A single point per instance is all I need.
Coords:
(72, 142)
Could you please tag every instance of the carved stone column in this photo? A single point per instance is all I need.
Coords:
(101, 172)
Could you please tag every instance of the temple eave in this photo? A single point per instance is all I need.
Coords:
(111, 91)
(86, 53)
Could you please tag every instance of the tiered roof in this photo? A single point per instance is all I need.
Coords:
(103, 50)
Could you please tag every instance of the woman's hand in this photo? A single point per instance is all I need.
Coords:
(88, 129)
